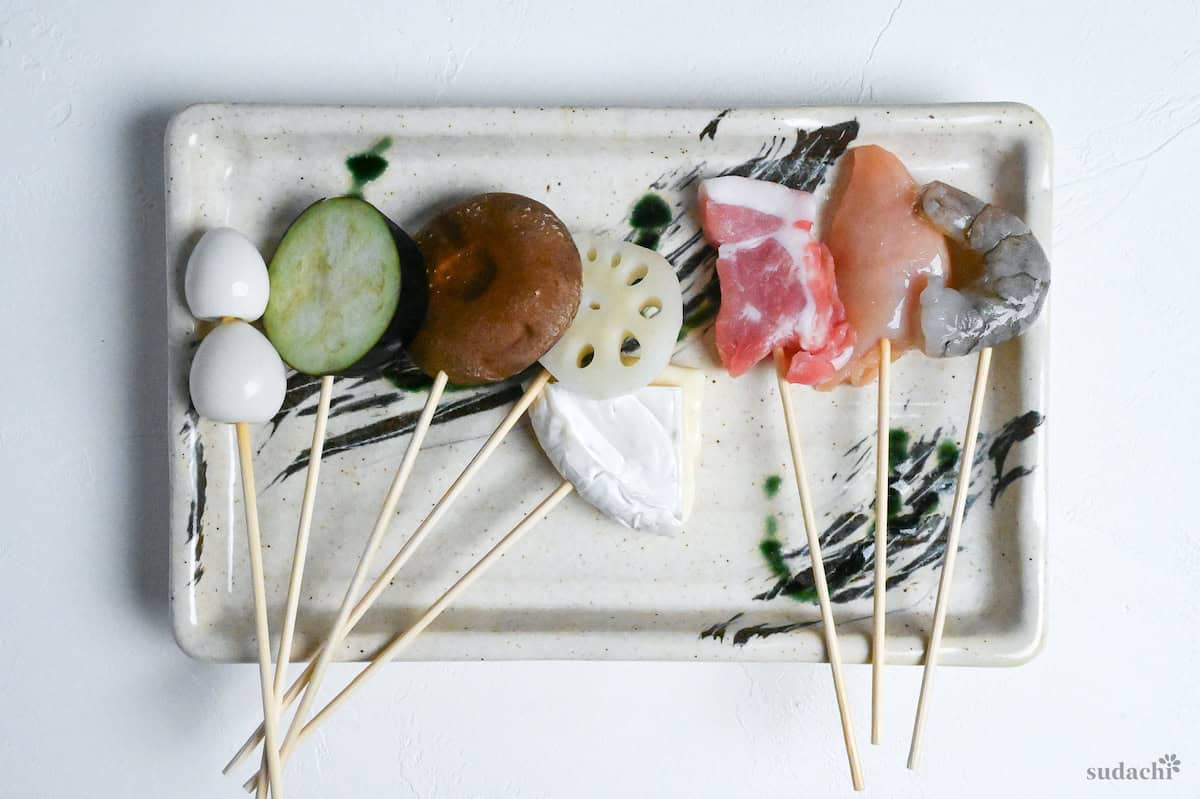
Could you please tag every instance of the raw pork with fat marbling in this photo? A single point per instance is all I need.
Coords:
(777, 281)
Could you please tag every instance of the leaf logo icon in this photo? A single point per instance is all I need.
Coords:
(1171, 762)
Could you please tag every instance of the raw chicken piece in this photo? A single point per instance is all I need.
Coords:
(885, 254)
(777, 281)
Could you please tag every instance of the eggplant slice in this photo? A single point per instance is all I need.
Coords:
(336, 305)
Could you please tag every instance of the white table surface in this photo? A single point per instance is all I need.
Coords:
(97, 701)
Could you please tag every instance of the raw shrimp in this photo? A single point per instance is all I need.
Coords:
(1006, 297)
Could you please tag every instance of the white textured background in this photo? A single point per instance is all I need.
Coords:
(95, 699)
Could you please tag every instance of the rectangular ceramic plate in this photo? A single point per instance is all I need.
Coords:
(580, 586)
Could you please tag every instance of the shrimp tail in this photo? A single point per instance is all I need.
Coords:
(1009, 294)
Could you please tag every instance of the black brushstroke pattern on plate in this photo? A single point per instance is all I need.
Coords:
(921, 485)
(710, 130)
(195, 523)
(744, 634)
(403, 423)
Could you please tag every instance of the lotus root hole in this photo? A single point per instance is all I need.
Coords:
(631, 349)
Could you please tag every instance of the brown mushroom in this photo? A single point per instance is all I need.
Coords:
(504, 283)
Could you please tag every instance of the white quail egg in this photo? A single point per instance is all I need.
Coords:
(226, 277)
(237, 376)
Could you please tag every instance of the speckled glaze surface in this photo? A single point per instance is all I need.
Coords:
(734, 584)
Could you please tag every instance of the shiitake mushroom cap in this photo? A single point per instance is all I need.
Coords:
(504, 280)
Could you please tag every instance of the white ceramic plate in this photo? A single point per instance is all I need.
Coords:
(579, 586)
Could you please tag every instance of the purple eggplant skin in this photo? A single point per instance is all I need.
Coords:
(410, 287)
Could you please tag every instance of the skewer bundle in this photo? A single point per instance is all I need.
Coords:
(885, 272)
(646, 281)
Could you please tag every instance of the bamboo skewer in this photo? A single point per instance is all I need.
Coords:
(401, 641)
(285, 702)
(300, 552)
(382, 522)
(261, 628)
(309, 680)
(882, 467)
(818, 569)
(966, 463)
(397, 487)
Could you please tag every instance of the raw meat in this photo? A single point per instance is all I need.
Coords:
(885, 254)
(777, 281)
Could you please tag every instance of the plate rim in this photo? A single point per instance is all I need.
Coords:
(336, 117)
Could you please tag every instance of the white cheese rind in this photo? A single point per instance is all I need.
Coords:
(633, 457)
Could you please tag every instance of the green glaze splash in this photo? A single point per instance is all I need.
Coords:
(702, 311)
(367, 166)
(907, 515)
(904, 516)
(771, 548)
(802, 595)
(651, 211)
(648, 239)
(650, 216)
(411, 380)
(898, 440)
(895, 500)
(947, 454)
